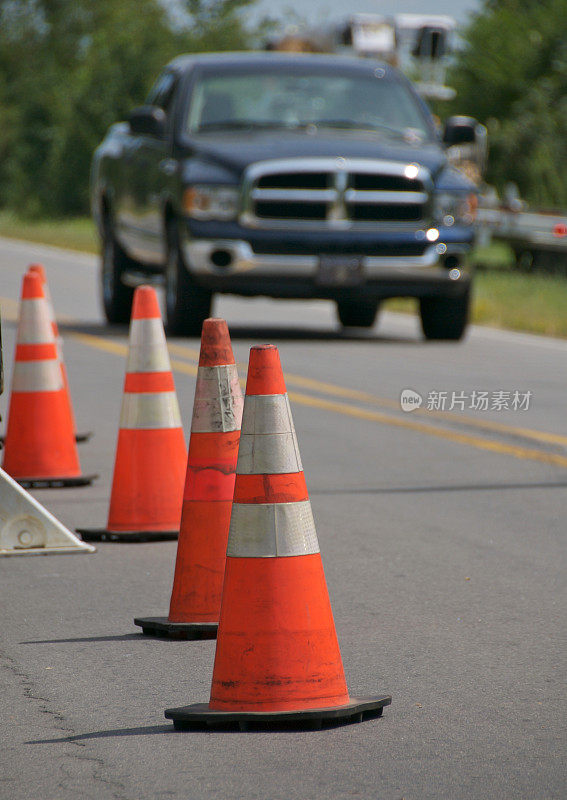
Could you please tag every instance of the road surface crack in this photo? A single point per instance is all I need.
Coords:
(80, 773)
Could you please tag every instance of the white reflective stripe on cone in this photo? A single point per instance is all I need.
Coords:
(268, 454)
(267, 413)
(34, 325)
(59, 346)
(150, 410)
(266, 530)
(218, 400)
(147, 347)
(37, 376)
(50, 309)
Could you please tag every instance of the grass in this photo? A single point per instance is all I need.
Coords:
(502, 298)
(496, 256)
(532, 303)
(513, 301)
(75, 234)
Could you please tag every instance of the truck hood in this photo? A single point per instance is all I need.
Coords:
(235, 151)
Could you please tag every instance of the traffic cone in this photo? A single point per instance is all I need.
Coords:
(40, 270)
(277, 658)
(207, 501)
(147, 487)
(28, 529)
(40, 449)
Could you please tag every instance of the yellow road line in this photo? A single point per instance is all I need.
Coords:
(182, 350)
(117, 348)
(471, 441)
(182, 366)
(342, 391)
(365, 397)
(107, 345)
(349, 410)
(498, 427)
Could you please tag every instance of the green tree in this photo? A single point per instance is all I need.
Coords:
(116, 62)
(512, 75)
(70, 68)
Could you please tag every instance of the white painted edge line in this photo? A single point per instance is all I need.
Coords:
(483, 331)
(517, 337)
(88, 259)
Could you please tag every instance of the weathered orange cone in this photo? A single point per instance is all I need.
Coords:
(207, 501)
(277, 657)
(40, 270)
(147, 487)
(40, 449)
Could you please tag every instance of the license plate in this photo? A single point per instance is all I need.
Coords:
(340, 270)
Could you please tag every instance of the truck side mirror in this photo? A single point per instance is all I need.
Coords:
(460, 130)
(467, 145)
(149, 120)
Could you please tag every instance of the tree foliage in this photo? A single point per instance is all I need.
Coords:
(512, 76)
(70, 68)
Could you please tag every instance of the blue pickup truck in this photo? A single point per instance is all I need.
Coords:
(285, 175)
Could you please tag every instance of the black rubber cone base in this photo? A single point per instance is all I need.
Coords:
(162, 627)
(201, 716)
(79, 437)
(56, 483)
(104, 535)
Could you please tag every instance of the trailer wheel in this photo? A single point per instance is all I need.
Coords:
(524, 260)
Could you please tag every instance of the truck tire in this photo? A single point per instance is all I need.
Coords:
(444, 317)
(116, 296)
(361, 315)
(187, 305)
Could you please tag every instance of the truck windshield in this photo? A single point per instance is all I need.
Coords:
(279, 100)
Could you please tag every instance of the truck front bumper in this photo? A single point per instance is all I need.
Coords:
(240, 257)
(399, 268)
(350, 264)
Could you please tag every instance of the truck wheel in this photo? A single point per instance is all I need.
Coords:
(444, 317)
(187, 305)
(362, 315)
(116, 297)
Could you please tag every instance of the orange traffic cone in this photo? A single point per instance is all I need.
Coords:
(277, 657)
(40, 270)
(40, 449)
(209, 486)
(147, 487)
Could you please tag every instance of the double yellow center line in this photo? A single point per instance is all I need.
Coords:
(335, 402)
(340, 400)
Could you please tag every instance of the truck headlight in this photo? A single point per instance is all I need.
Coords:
(452, 208)
(211, 202)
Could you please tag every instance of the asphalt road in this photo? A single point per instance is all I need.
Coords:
(443, 539)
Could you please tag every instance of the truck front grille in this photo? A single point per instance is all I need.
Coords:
(335, 193)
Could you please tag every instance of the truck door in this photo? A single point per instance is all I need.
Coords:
(144, 182)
